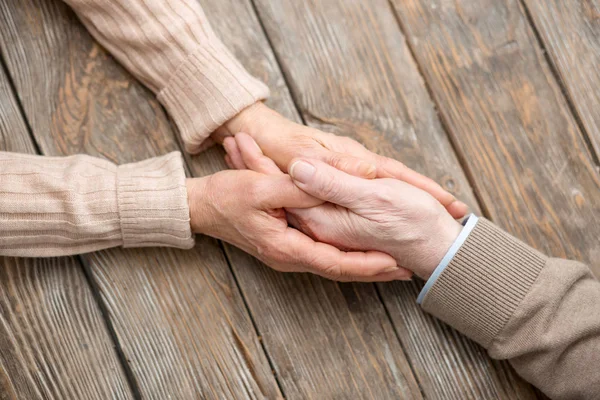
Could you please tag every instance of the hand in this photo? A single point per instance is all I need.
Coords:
(245, 208)
(380, 214)
(282, 140)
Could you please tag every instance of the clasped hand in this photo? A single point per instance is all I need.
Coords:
(356, 216)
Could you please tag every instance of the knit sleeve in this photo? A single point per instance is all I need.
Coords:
(171, 48)
(541, 314)
(55, 206)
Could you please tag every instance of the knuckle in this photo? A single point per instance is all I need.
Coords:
(333, 272)
(328, 187)
(336, 161)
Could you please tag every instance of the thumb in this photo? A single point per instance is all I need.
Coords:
(328, 183)
(278, 191)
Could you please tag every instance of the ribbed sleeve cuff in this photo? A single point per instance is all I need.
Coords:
(484, 283)
(207, 90)
(153, 204)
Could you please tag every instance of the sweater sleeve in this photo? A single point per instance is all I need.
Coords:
(171, 48)
(55, 206)
(541, 314)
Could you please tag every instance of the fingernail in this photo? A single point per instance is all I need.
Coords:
(404, 275)
(367, 170)
(302, 171)
(371, 170)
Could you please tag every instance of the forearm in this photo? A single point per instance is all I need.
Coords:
(54, 206)
(171, 48)
(541, 314)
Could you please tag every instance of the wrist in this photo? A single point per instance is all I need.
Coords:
(197, 192)
(248, 121)
(439, 240)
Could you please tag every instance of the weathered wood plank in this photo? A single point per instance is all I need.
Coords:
(510, 122)
(53, 340)
(178, 316)
(325, 340)
(351, 73)
(13, 131)
(570, 31)
(449, 366)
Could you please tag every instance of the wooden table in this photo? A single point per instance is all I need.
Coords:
(498, 100)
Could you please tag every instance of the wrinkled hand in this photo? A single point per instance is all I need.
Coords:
(379, 214)
(245, 208)
(283, 140)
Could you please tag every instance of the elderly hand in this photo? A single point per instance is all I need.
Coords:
(245, 208)
(282, 140)
(379, 214)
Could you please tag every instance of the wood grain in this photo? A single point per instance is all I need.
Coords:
(325, 340)
(351, 73)
(53, 340)
(510, 122)
(179, 317)
(570, 31)
(13, 131)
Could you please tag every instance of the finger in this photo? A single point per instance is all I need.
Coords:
(390, 168)
(228, 161)
(329, 262)
(294, 217)
(233, 151)
(253, 156)
(351, 165)
(297, 217)
(457, 209)
(402, 274)
(369, 266)
(278, 191)
(328, 183)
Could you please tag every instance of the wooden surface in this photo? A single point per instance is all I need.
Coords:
(178, 316)
(363, 83)
(54, 342)
(509, 121)
(570, 32)
(343, 343)
(461, 91)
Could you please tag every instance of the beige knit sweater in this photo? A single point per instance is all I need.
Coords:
(541, 314)
(58, 206)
